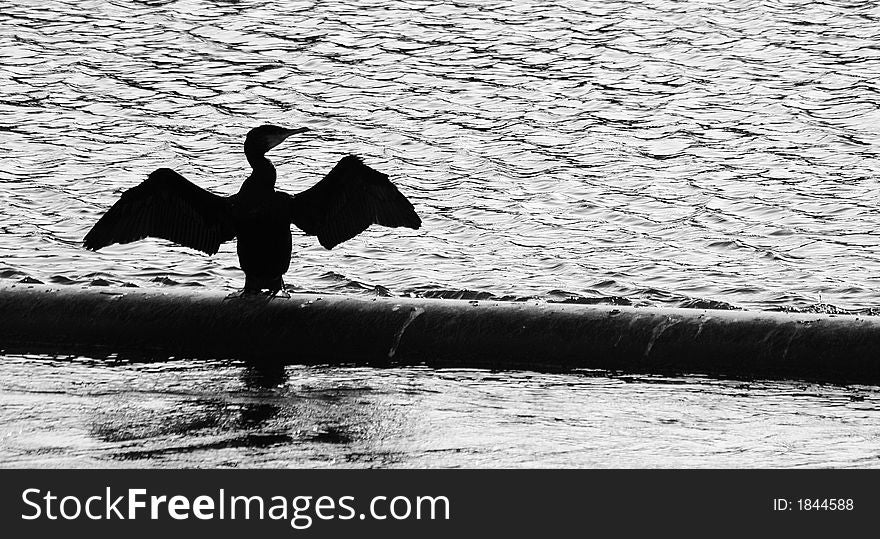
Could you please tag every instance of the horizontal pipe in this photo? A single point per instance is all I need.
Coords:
(309, 328)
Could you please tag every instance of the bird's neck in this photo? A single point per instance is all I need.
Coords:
(263, 176)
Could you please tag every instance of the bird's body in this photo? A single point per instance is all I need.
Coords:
(264, 245)
(166, 205)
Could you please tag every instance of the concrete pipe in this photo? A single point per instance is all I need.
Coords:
(327, 328)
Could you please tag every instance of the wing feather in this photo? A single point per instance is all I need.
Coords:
(166, 205)
(349, 199)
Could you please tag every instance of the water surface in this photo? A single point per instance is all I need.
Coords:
(87, 413)
(647, 152)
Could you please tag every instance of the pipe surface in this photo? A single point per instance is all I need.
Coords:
(327, 328)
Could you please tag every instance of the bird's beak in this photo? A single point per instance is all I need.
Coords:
(297, 131)
(280, 137)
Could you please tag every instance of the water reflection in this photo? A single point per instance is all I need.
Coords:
(264, 414)
(264, 375)
(183, 422)
(265, 380)
(229, 414)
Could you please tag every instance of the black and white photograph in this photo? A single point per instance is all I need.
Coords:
(436, 235)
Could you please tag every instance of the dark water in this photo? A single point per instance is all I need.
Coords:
(85, 413)
(644, 152)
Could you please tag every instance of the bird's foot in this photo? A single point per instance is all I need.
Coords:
(244, 293)
(280, 293)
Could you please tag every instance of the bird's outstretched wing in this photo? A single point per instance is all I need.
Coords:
(349, 199)
(165, 205)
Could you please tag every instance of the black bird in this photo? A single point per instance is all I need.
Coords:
(339, 207)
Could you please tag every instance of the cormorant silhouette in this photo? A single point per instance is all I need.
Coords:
(350, 198)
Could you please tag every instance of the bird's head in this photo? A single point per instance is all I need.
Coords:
(262, 139)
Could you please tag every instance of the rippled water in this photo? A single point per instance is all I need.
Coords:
(85, 413)
(632, 151)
